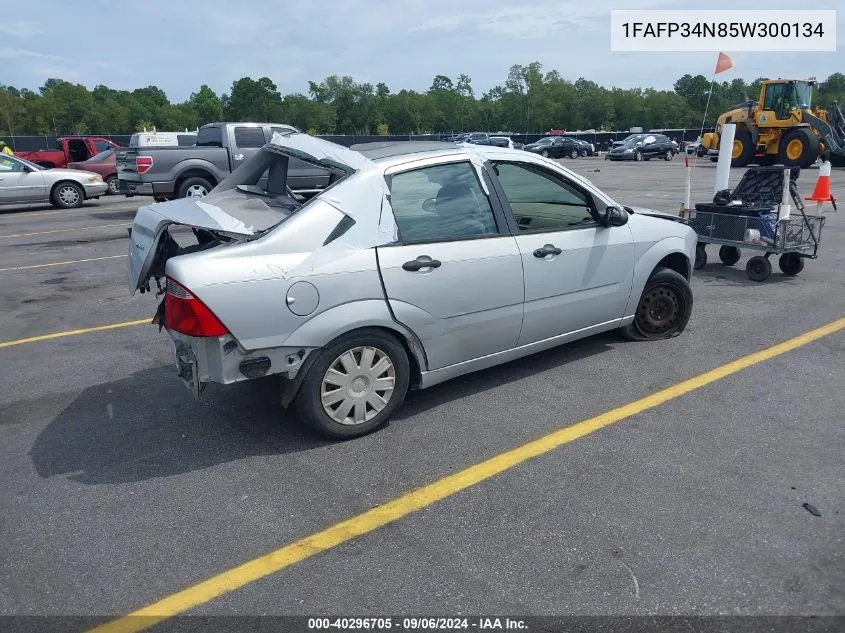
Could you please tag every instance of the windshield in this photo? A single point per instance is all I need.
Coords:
(99, 158)
(26, 162)
(803, 94)
(634, 140)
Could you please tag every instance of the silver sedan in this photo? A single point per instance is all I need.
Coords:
(419, 263)
(25, 182)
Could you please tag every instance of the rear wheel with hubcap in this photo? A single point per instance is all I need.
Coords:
(664, 308)
(114, 185)
(194, 188)
(668, 155)
(638, 155)
(355, 384)
(545, 153)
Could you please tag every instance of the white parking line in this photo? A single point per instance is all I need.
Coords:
(79, 228)
(73, 261)
(128, 206)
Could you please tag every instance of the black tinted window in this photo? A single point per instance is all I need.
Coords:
(210, 136)
(101, 146)
(249, 137)
(186, 139)
(441, 202)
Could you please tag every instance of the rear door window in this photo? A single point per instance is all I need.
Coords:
(249, 137)
(441, 202)
(210, 137)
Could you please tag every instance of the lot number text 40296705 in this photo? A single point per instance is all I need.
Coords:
(417, 624)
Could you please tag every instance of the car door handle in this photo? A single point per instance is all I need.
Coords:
(548, 249)
(423, 261)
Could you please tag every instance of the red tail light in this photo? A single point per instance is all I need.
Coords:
(143, 164)
(186, 314)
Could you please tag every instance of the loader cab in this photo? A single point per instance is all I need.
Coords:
(780, 98)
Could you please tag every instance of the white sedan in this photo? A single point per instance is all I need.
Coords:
(24, 182)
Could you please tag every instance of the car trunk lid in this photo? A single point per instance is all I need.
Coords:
(148, 251)
(227, 214)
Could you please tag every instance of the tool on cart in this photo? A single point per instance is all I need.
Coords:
(758, 215)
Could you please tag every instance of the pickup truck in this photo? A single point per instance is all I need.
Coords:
(69, 149)
(181, 172)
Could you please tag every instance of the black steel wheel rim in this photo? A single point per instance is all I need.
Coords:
(660, 308)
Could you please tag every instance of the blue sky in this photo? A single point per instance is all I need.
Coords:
(178, 45)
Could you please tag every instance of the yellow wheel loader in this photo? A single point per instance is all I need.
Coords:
(782, 128)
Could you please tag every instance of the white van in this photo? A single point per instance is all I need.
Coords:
(163, 139)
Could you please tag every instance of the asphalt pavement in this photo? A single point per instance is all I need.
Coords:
(118, 489)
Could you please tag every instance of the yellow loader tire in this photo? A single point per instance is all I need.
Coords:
(743, 149)
(799, 147)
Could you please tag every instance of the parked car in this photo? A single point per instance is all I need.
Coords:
(24, 182)
(180, 172)
(71, 149)
(554, 147)
(104, 164)
(643, 147)
(695, 148)
(496, 141)
(370, 288)
(585, 148)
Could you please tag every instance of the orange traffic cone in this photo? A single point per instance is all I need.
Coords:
(821, 192)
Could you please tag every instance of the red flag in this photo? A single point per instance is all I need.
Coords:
(724, 63)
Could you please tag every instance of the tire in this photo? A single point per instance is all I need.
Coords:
(309, 400)
(668, 155)
(701, 151)
(638, 155)
(545, 153)
(791, 264)
(664, 308)
(193, 186)
(799, 147)
(729, 255)
(743, 149)
(67, 195)
(114, 185)
(700, 257)
(573, 154)
(583, 153)
(758, 268)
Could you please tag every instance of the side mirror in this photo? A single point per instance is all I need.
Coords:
(614, 216)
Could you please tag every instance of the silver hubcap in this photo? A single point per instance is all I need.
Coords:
(196, 191)
(68, 195)
(114, 185)
(358, 385)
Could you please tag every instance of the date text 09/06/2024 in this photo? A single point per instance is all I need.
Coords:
(416, 624)
(723, 29)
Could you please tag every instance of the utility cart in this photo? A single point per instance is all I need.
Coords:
(748, 218)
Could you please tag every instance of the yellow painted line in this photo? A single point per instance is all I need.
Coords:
(366, 522)
(99, 328)
(78, 228)
(73, 261)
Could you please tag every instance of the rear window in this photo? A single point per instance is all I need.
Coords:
(247, 137)
(186, 139)
(210, 137)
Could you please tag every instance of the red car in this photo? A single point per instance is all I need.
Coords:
(73, 149)
(105, 164)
